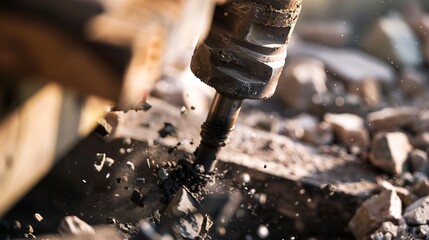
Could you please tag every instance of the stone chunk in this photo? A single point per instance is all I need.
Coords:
(394, 41)
(421, 141)
(75, 226)
(404, 194)
(304, 77)
(389, 151)
(350, 129)
(347, 65)
(421, 188)
(413, 82)
(388, 227)
(182, 216)
(392, 118)
(418, 212)
(369, 89)
(419, 161)
(380, 208)
(307, 128)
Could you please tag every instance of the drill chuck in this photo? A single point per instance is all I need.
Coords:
(245, 50)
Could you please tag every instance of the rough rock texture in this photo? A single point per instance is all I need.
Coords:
(350, 129)
(380, 208)
(304, 77)
(369, 89)
(418, 212)
(389, 151)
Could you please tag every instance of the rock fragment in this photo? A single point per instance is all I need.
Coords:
(349, 128)
(388, 228)
(75, 226)
(369, 89)
(38, 217)
(304, 77)
(404, 194)
(99, 162)
(389, 151)
(182, 217)
(137, 198)
(347, 65)
(130, 165)
(418, 212)
(421, 188)
(392, 118)
(307, 128)
(413, 82)
(109, 161)
(380, 208)
(419, 161)
(392, 39)
(421, 141)
(167, 130)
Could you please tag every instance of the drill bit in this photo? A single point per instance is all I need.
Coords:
(216, 129)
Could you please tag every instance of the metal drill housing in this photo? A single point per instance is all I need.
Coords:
(244, 53)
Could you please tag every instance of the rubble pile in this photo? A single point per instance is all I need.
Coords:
(371, 101)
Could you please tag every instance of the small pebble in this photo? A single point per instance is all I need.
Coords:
(130, 165)
(38, 217)
(29, 229)
(109, 161)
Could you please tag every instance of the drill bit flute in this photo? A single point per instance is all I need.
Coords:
(242, 58)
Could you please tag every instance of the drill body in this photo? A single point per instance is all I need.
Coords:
(242, 58)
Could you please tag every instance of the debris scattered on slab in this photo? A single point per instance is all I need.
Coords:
(109, 161)
(130, 165)
(137, 198)
(99, 162)
(183, 110)
(38, 217)
(329, 190)
(167, 130)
